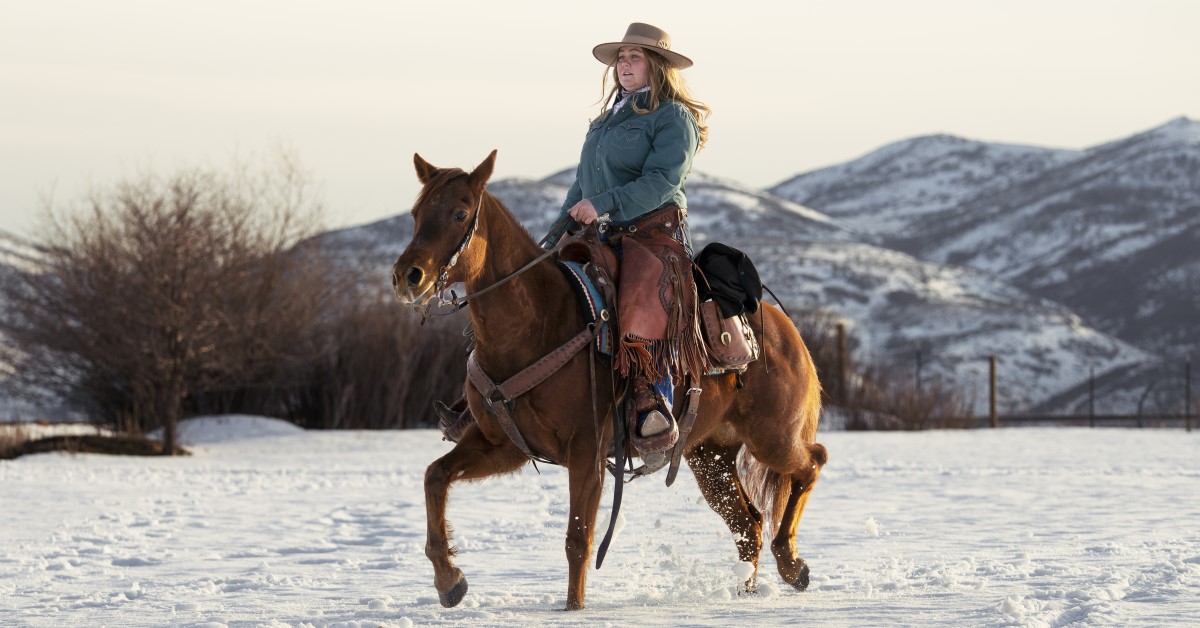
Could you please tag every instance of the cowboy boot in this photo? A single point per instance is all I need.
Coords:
(453, 420)
(655, 429)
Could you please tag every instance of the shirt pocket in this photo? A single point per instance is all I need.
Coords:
(631, 134)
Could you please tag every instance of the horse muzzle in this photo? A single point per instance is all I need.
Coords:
(410, 283)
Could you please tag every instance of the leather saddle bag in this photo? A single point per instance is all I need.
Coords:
(730, 341)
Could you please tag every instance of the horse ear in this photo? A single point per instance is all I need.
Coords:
(425, 169)
(483, 172)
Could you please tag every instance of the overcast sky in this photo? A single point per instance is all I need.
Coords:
(91, 92)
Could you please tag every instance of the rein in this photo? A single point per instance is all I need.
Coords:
(455, 303)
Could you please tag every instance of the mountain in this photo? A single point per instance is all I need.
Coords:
(16, 256)
(893, 302)
(885, 192)
(717, 206)
(1112, 232)
(1058, 262)
(16, 253)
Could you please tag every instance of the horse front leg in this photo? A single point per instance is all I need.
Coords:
(587, 483)
(471, 459)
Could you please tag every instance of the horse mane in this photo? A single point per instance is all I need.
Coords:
(443, 176)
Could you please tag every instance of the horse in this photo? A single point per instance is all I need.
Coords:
(522, 307)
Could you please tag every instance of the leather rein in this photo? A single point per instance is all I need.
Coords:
(500, 398)
(438, 300)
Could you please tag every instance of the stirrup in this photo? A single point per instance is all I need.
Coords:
(653, 424)
(453, 420)
(664, 428)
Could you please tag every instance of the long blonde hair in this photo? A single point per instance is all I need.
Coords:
(666, 83)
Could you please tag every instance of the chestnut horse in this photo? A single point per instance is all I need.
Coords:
(464, 234)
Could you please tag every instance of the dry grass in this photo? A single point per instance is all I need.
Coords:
(87, 444)
(877, 396)
(12, 437)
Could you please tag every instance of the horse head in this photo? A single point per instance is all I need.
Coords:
(446, 214)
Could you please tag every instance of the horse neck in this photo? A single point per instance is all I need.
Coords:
(509, 319)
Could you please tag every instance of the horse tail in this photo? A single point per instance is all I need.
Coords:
(769, 489)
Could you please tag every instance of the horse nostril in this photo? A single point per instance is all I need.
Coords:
(395, 279)
(414, 277)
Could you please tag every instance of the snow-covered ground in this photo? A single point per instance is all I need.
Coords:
(266, 525)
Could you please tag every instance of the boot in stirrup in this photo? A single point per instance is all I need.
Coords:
(453, 420)
(654, 429)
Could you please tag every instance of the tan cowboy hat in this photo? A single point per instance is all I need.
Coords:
(646, 36)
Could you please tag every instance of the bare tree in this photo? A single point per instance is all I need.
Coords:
(165, 288)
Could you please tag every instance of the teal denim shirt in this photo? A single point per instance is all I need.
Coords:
(632, 164)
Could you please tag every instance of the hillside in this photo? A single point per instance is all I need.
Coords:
(1061, 263)
(886, 192)
(1112, 232)
(894, 303)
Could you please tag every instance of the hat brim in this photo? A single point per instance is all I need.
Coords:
(607, 54)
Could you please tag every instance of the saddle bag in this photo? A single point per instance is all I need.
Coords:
(729, 289)
(730, 340)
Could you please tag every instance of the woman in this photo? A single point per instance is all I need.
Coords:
(635, 160)
(636, 157)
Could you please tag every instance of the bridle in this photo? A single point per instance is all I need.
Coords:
(438, 305)
(440, 284)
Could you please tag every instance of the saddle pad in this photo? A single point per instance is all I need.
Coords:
(592, 302)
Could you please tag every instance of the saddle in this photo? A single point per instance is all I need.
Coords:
(722, 279)
(641, 272)
(655, 293)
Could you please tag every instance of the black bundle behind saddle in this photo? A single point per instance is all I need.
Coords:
(729, 290)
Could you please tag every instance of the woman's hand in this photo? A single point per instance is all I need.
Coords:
(583, 212)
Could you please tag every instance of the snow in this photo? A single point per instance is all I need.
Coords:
(1020, 526)
(218, 429)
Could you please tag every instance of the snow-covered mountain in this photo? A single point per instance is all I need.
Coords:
(15, 253)
(957, 248)
(884, 193)
(718, 208)
(893, 303)
(1113, 231)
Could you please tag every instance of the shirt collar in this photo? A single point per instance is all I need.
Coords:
(624, 97)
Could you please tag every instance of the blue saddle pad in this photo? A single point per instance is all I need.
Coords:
(593, 303)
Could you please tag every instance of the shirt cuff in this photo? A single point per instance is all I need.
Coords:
(604, 202)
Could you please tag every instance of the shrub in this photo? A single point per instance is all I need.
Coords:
(161, 289)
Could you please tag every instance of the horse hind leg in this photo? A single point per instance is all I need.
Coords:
(715, 468)
(471, 459)
(798, 485)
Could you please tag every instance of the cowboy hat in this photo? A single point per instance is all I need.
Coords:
(646, 36)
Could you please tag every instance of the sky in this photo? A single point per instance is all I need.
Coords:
(92, 93)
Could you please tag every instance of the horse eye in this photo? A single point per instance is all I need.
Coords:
(460, 216)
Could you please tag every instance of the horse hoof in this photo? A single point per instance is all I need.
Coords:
(801, 582)
(451, 598)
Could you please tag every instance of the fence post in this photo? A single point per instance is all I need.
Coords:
(992, 392)
(918, 375)
(1187, 387)
(842, 366)
(1092, 397)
